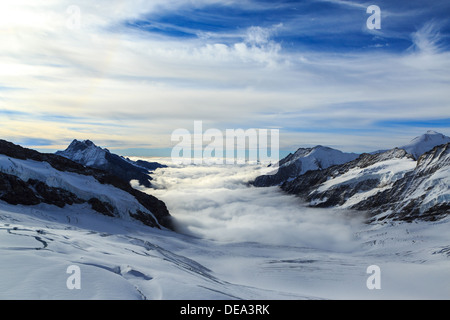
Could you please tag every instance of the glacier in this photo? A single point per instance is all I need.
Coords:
(266, 247)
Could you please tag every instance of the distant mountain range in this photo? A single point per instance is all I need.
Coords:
(28, 177)
(405, 183)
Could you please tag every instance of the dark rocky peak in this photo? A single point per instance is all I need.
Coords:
(77, 145)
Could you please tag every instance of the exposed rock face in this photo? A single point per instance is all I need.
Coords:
(16, 191)
(386, 185)
(102, 207)
(407, 183)
(88, 154)
(422, 193)
(29, 191)
(307, 185)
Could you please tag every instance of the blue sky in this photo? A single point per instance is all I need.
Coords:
(126, 74)
(335, 26)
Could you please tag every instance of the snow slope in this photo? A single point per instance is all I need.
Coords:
(117, 260)
(425, 142)
(83, 186)
(120, 259)
(319, 157)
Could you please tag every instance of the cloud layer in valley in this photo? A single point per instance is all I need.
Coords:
(215, 202)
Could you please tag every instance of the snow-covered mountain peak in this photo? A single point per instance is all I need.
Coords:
(320, 153)
(90, 155)
(85, 152)
(424, 143)
(303, 160)
(390, 184)
(83, 144)
(430, 135)
(320, 147)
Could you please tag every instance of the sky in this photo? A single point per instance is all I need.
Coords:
(127, 74)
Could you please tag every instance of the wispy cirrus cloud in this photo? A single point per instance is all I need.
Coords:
(427, 39)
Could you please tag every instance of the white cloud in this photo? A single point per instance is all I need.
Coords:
(215, 203)
(107, 73)
(427, 38)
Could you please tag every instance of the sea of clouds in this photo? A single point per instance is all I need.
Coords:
(216, 202)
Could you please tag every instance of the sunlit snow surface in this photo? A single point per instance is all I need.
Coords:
(234, 242)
